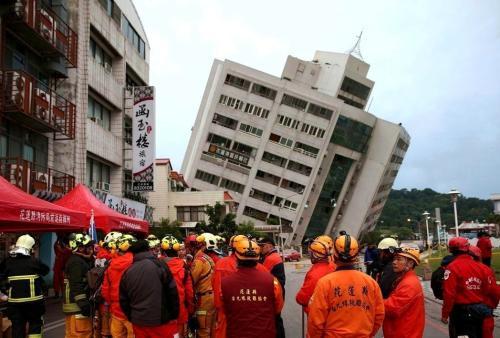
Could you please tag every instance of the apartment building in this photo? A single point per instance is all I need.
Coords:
(299, 150)
(175, 201)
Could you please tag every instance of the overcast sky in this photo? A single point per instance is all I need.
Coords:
(436, 67)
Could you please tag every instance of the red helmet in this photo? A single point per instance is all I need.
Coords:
(459, 244)
(475, 252)
(190, 239)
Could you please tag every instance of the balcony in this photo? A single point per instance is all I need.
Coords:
(43, 30)
(28, 101)
(35, 179)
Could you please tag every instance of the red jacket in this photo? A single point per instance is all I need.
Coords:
(493, 296)
(184, 287)
(111, 282)
(465, 282)
(484, 243)
(404, 309)
(314, 274)
(215, 257)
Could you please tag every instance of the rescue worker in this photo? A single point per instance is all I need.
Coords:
(346, 303)
(120, 327)
(169, 249)
(24, 275)
(273, 262)
(404, 308)
(62, 253)
(76, 304)
(154, 245)
(484, 244)
(106, 251)
(202, 270)
(211, 249)
(384, 273)
(321, 265)
(148, 295)
(251, 298)
(493, 298)
(464, 289)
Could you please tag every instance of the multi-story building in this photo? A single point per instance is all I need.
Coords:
(173, 199)
(298, 150)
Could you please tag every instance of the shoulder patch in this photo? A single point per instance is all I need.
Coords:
(446, 274)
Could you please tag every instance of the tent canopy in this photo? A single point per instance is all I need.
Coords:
(106, 219)
(22, 212)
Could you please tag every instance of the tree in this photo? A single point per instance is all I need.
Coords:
(167, 228)
(219, 223)
(248, 228)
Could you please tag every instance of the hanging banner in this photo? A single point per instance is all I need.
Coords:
(143, 136)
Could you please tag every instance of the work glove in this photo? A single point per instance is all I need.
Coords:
(84, 306)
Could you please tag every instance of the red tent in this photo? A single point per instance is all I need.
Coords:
(22, 212)
(106, 219)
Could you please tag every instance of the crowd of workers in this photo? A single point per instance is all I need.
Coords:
(130, 287)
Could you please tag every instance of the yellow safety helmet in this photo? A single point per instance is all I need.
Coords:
(411, 253)
(169, 242)
(246, 250)
(77, 240)
(325, 239)
(235, 239)
(345, 248)
(125, 242)
(111, 238)
(153, 241)
(319, 249)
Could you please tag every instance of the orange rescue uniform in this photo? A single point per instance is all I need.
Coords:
(314, 274)
(345, 304)
(202, 270)
(404, 309)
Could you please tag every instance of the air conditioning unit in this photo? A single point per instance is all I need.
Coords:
(42, 104)
(104, 186)
(46, 26)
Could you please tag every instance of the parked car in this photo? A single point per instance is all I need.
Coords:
(291, 255)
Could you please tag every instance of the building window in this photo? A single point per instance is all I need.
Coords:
(264, 91)
(206, 177)
(306, 149)
(299, 168)
(112, 10)
(244, 149)
(262, 196)
(231, 102)
(355, 88)
(246, 128)
(100, 55)
(256, 110)
(254, 213)
(396, 159)
(285, 204)
(133, 37)
(99, 114)
(274, 159)
(351, 134)
(293, 186)
(231, 185)
(288, 122)
(319, 111)
(294, 102)
(237, 82)
(127, 130)
(219, 140)
(286, 142)
(402, 144)
(190, 214)
(267, 177)
(98, 174)
(224, 121)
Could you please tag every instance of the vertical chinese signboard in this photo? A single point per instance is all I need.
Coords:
(143, 135)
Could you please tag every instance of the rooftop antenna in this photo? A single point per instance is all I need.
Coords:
(356, 50)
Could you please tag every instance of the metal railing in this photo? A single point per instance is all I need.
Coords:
(49, 112)
(31, 177)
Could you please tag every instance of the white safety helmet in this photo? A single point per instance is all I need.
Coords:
(209, 239)
(388, 243)
(23, 246)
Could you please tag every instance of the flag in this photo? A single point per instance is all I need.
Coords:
(92, 229)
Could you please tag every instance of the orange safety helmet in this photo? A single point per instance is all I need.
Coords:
(345, 248)
(459, 244)
(235, 239)
(325, 239)
(319, 249)
(411, 253)
(246, 250)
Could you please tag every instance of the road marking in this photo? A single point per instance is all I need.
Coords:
(54, 325)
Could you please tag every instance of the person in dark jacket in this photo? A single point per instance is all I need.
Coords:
(274, 264)
(384, 274)
(76, 303)
(148, 295)
(371, 255)
(25, 303)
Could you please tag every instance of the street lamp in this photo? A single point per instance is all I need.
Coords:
(426, 215)
(454, 197)
(438, 225)
(281, 204)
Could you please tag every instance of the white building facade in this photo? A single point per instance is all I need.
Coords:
(298, 150)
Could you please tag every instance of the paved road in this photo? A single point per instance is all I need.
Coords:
(54, 319)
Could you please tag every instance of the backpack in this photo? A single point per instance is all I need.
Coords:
(437, 280)
(169, 294)
(95, 277)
